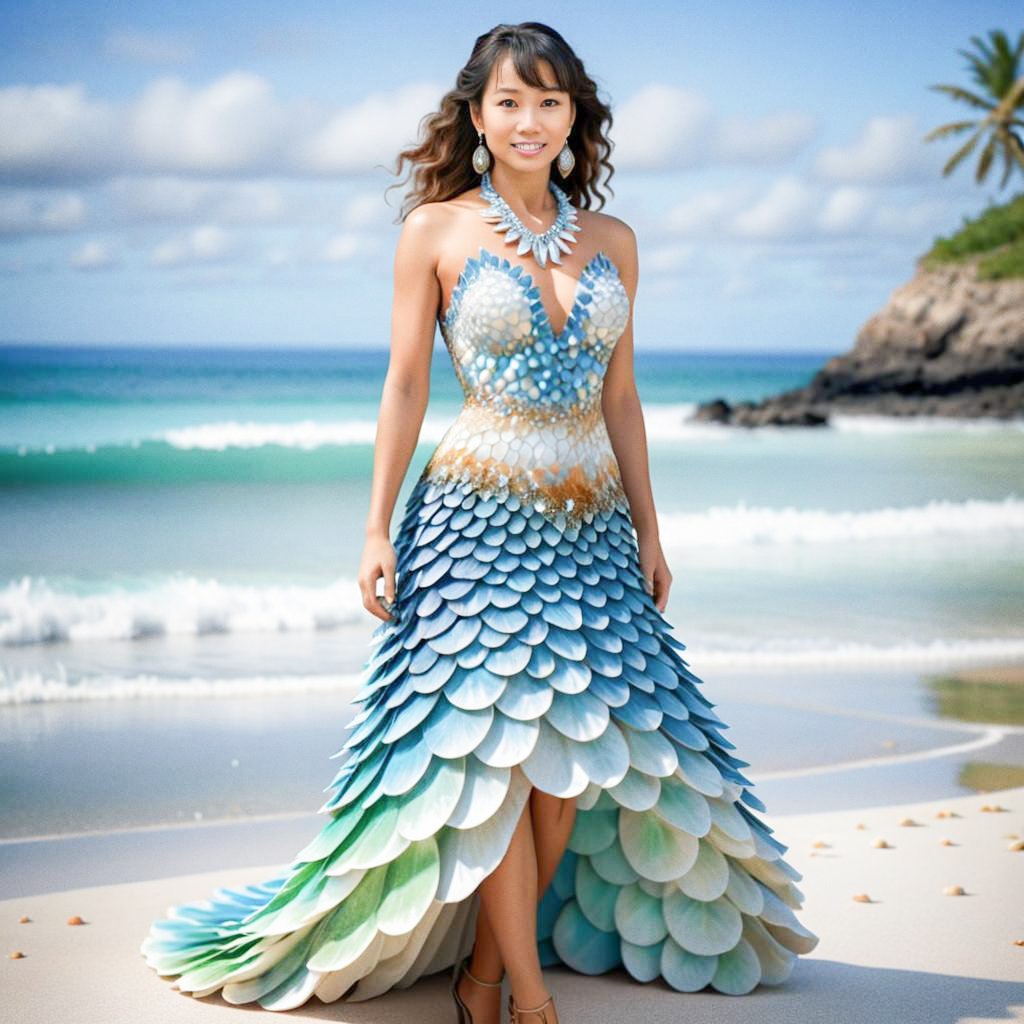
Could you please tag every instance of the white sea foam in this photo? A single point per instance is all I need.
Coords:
(307, 434)
(730, 526)
(664, 422)
(869, 423)
(821, 652)
(33, 687)
(32, 610)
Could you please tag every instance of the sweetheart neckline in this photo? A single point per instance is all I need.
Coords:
(526, 280)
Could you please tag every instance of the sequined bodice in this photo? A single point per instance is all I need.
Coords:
(532, 420)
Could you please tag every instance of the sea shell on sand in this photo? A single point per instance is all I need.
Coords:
(862, 897)
(953, 890)
(881, 844)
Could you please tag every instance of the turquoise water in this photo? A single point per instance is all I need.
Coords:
(178, 497)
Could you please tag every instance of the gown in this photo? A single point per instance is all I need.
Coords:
(525, 651)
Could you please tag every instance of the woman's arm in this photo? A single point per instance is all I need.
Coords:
(403, 398)
(624, 419)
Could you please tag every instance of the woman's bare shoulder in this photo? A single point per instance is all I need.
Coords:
(611, 234)
(430, 223)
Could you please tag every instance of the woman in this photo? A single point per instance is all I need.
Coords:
(531, 732)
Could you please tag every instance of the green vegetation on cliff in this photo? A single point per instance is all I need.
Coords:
(996, 234)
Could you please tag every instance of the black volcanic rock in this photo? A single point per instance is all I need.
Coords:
(946, 344)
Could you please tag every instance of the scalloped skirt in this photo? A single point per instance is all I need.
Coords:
(522, 654)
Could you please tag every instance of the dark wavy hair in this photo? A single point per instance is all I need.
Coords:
(441, 163)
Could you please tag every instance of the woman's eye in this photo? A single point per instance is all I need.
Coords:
(502, 103)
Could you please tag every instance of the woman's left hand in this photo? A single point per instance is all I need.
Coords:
(657, 577)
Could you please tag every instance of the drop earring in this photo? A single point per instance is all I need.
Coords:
(481, 155)
(566, 161)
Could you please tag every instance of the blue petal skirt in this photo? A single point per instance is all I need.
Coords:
(523, 653)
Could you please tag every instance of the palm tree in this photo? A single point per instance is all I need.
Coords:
(997, 71)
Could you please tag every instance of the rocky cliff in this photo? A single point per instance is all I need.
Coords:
(946, 344)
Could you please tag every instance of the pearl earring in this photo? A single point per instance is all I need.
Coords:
(481, 155)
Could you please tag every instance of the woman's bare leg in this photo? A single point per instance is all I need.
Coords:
(553, 819)
(550, 822)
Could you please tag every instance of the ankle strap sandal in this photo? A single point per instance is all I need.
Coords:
(514, 1011)
(472, 977)
(462, 967)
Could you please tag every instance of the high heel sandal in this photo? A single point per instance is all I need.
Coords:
(465, 1016)
(514, 1011)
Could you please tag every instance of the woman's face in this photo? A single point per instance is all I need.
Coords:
(523, 126)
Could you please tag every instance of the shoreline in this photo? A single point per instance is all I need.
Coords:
(921, 954)
(39, 864)
(819, 739)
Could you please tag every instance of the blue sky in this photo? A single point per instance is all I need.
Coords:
(214, 173)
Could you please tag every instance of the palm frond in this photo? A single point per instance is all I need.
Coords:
(951, 129)
(986, 159)
(962, 94)
(961, 153)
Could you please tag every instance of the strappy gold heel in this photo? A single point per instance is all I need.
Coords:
(515, 1011)
(465, 1016)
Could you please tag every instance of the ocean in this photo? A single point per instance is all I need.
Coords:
(181, 632)
(190, 521)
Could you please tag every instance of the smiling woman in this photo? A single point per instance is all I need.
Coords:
(530, 730)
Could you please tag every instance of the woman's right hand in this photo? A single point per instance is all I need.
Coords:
(378, 561)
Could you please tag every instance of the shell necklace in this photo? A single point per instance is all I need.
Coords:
(556, 239)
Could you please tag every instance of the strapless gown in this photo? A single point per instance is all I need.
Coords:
(526, 652)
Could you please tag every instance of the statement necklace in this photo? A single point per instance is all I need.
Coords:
(556, 239)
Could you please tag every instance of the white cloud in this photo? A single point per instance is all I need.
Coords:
(845, 209)
(148, 47)
(660, 126)
(785, 209)
(54, 133)
(369, 132)
(790, 208)
(172, 198)
(665, 127)
(367, 210)
(93, 256)
(341, 247)
(668, 259)
(23, 212)
(912, 220)
(888, 150)
(206, 244)
(703, 212)
(772, 138)
(234, 125)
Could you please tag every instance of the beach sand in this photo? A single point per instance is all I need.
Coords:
(912, 954)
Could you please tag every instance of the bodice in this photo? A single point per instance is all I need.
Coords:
(531, 421)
